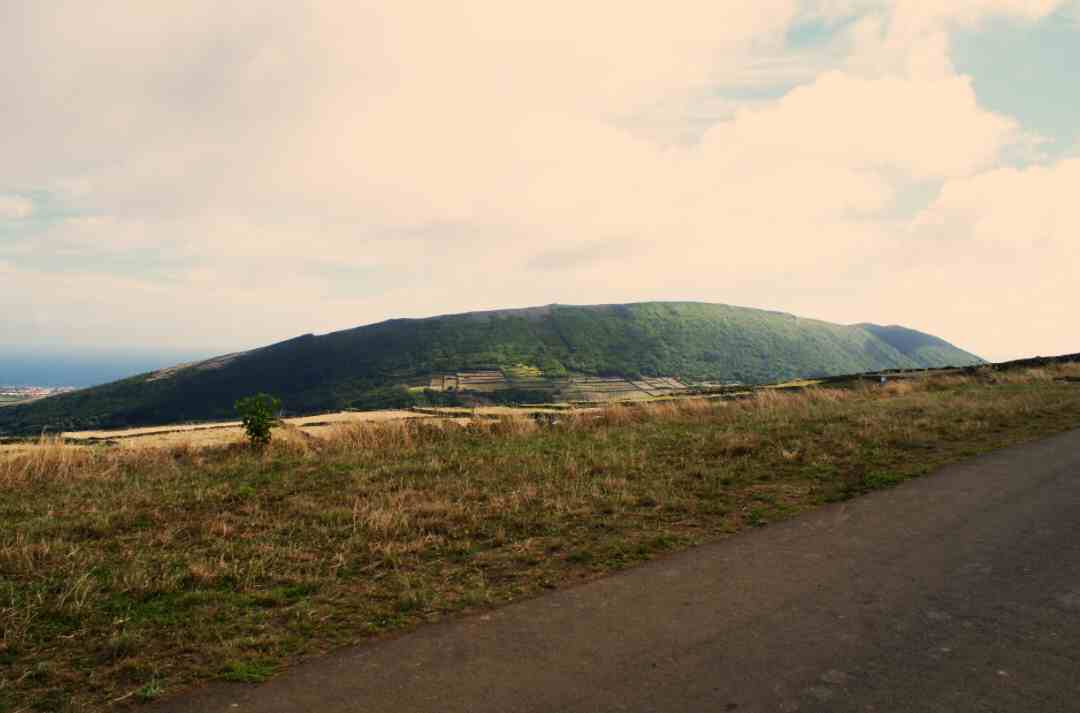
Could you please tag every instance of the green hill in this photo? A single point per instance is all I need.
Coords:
(375, 365)
(926, 349)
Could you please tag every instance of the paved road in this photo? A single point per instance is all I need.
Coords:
(955, 593)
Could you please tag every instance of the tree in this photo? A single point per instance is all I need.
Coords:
(258, 414)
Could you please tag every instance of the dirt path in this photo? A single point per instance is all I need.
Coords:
(957, 592)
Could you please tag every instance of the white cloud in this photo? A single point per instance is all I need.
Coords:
(997, 254)
(912, 36)
(922, 126)
(914, 15)
(15, 207)
(1009, 209)
(917, 15)
(1072, 12)
(457, 151)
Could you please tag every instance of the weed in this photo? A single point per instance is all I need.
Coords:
(246, 671)
(758, 517)
(580, 557)
(53, 700)
(150, 691)
(878, 480)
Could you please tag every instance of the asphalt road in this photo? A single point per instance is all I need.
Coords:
(957, 592)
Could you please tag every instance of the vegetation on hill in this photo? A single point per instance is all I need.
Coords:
(133, 574)
(373, 366)
(924, 348)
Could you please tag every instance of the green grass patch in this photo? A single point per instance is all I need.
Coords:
(246, 671)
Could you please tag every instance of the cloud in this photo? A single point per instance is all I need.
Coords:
(406, 114)
(926, 127)
(913, 35)
(1028, 210)
(918, 15)
(586, 253)
(330, 164)
(15, 207)
(997, 253)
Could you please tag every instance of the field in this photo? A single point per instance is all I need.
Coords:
(130, 574)
(567, 388)
(221, 433)
(226, 432)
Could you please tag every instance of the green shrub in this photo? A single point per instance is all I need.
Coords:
(258, 414)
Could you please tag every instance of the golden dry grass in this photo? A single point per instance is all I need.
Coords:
(135, 571)
(221, 433)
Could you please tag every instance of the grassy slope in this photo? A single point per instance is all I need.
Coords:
(136, 574)
(358, 367)
(928, 350)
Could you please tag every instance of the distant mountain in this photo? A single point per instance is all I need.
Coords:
(390, 363)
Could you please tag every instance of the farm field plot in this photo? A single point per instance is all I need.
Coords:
(469, 381)
(503, 411)
(568, 388)
(147, 431)
(598, 388)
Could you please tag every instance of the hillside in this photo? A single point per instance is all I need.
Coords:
(390, 363)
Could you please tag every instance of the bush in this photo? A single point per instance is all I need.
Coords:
(258, 414)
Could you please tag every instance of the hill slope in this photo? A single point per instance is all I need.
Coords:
(367, 366)
(924, 348)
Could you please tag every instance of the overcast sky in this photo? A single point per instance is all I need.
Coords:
(209, 175)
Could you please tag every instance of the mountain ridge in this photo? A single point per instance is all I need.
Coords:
(390, 363)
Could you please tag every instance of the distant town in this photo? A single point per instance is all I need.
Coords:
(17, 394)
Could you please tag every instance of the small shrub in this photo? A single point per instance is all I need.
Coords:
(258, 414)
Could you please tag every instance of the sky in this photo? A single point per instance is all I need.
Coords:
(207, 176)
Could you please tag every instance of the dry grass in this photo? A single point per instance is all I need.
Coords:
(224, 432)
(132, 572)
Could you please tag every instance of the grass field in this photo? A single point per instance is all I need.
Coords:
(131, 574)
(225, 432)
